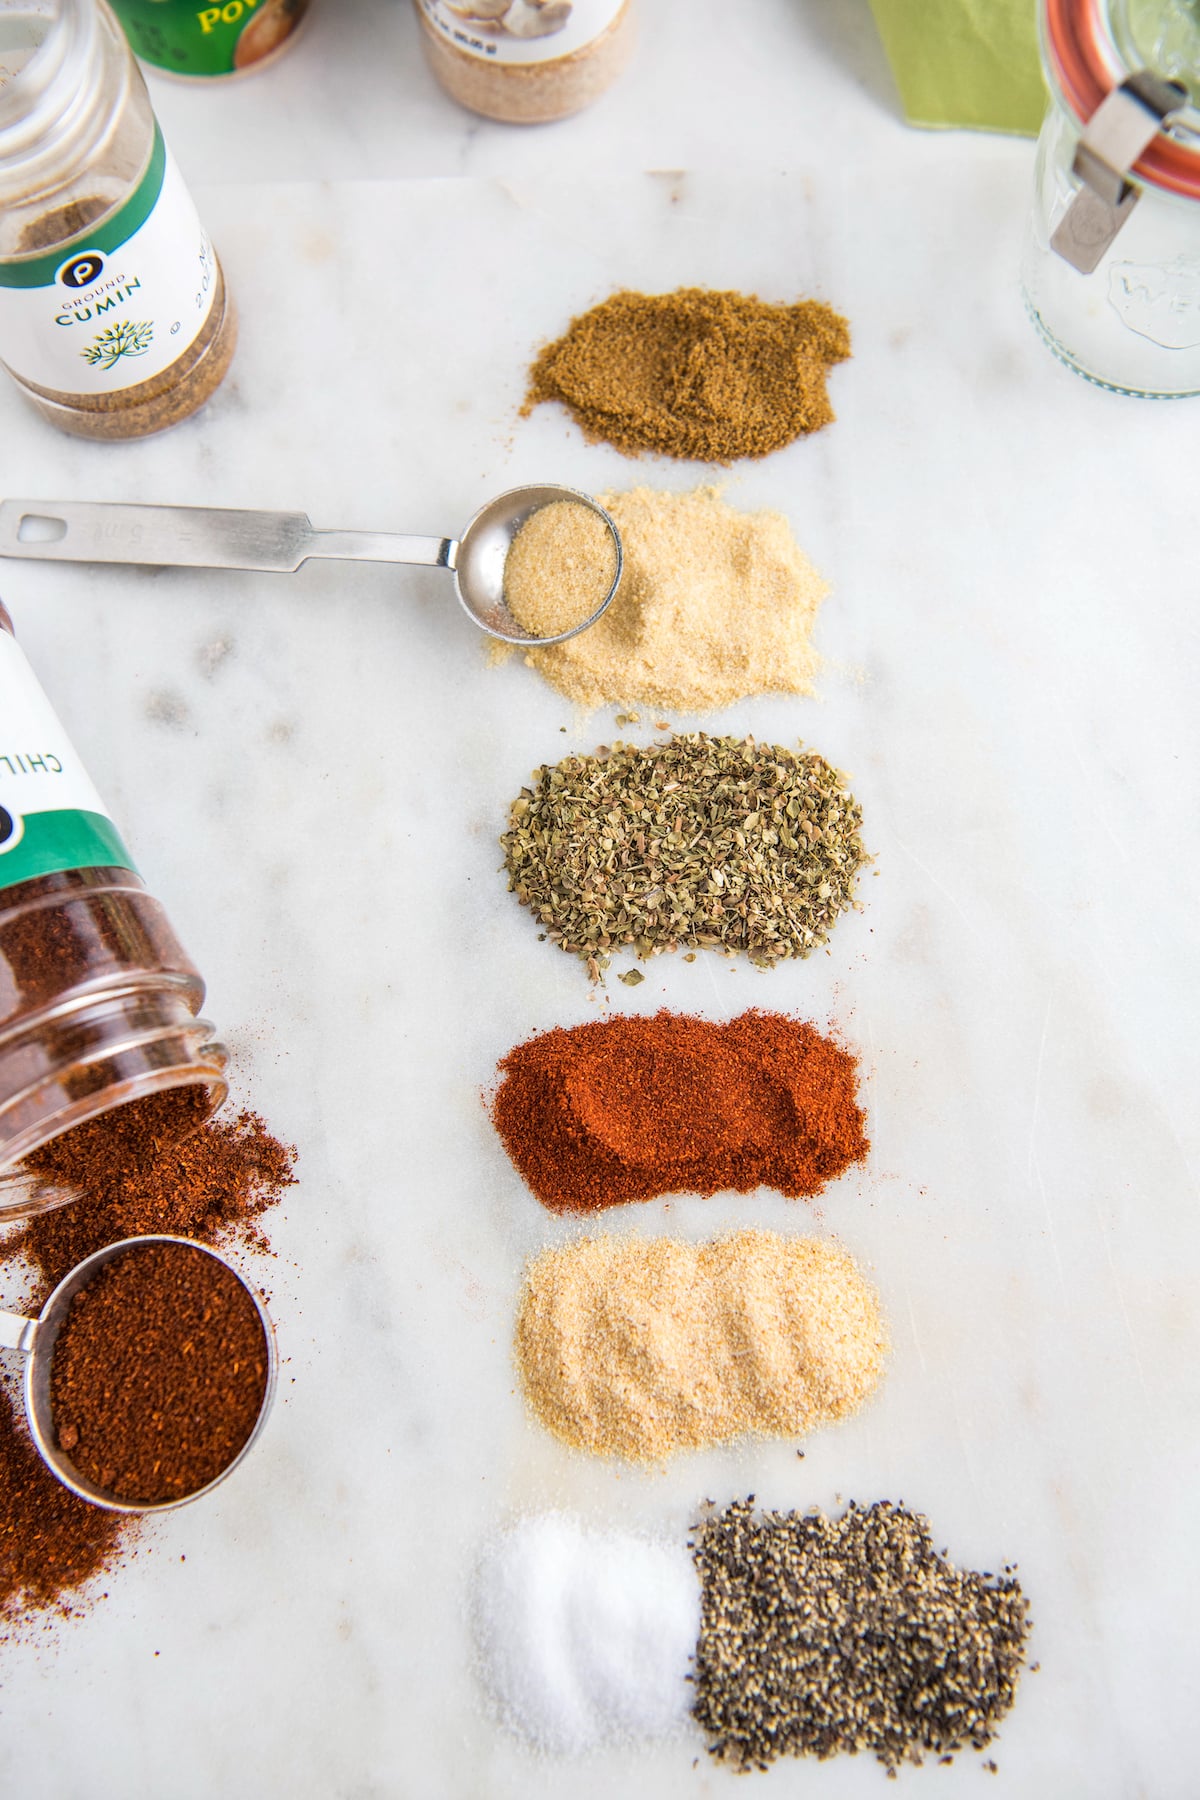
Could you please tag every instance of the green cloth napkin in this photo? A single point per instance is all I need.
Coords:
(965, 62)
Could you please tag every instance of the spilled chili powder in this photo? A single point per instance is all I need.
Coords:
(51, 1541)
(138, 1173)
(625, 1109)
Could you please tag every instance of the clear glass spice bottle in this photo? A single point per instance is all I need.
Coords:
(98, 1000)
(526, 62)
(1111, 267)
(210, 42)
(114, 315)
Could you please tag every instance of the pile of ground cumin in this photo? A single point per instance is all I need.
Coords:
(697, 373)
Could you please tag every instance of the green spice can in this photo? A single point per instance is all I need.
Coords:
(208, 39)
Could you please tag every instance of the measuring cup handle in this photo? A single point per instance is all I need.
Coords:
(16, 1332)
(382, 546)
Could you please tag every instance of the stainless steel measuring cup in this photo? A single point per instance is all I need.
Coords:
(211, 537)
(36, 1339)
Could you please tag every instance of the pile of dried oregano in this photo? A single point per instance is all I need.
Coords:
(697, 843)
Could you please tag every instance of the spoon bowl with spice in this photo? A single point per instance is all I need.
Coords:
(150, 1372)
(535, 565)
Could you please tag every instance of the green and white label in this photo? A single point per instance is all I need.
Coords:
(120, 302)
(51, 817)
(220, 37)
(520, 31)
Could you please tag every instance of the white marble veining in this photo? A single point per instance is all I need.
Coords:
(313, 771)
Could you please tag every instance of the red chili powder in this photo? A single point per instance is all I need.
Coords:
(51, 1541)
(137, 1175)
(159, 1373)
(629, 1108)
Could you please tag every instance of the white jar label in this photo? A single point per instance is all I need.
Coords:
(520, 31)
(51, 817)
(119, 302)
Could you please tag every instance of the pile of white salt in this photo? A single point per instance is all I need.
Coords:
(585, 1637)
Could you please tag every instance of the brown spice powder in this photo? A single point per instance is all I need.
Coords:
(51, 1541)
(697, 373)
(158, 1374)
(138, 1178)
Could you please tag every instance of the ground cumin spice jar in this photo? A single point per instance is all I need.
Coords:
(114, 317)
(526, 62)
(206, 42)
(98, 1000)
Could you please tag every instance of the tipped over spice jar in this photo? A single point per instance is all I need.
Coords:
(98, 1000)
(694, 843)
(526, 62)
(114, 316)
(702, 373)
(624, 1109)
(645, 1347)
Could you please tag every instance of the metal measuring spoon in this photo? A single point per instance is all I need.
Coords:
(36, 1338)
(212, 537)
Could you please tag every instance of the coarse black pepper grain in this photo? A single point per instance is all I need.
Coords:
(819, 1636)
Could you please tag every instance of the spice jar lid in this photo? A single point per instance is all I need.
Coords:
(1087, 64)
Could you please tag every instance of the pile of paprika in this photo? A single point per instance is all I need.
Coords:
(626, 1109)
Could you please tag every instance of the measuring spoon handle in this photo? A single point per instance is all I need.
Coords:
(16, 1332)
(197, 537)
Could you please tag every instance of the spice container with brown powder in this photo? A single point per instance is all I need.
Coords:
(114, 316)
(98, 1000)
(526, 62)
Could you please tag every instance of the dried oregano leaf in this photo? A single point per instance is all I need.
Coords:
(697, 842)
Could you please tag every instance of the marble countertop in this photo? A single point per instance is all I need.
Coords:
(313, 771)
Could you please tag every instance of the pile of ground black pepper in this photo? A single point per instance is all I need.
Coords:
(137, 1176)
(697, 373)
(820, 1635)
